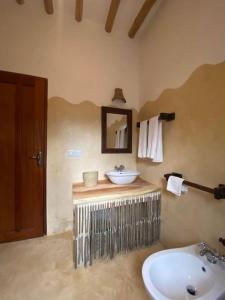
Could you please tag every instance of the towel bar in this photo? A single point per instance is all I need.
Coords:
(163, 116)
(219, 191)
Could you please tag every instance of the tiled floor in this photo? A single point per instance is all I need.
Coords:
(42, 269)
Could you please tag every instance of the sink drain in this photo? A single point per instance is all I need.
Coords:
(191, 290)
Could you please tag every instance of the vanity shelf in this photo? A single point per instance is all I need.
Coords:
(110, 219)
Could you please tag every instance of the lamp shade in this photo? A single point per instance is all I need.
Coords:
(118, 95)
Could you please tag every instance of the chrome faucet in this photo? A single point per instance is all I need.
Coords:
(120, 168)
(211, 255)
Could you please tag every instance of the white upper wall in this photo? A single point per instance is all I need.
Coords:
(80, 60)
(183, 35)
(83, 62)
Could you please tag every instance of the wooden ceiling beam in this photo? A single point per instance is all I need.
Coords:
(49, 7)
(111, 15)
(79, 10)
(145, 9)
(20, 1)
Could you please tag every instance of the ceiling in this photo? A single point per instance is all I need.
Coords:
(98, 10)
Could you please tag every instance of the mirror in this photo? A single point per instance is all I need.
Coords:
(116, 130)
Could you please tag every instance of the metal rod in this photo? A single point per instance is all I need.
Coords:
(199, 187)
(164, 117)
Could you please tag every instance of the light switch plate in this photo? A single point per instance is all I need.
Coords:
(73, 153)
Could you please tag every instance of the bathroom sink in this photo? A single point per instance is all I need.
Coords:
(122, 177)
(178, 274)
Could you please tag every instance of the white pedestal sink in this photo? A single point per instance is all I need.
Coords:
(182, 274)
(122, 177)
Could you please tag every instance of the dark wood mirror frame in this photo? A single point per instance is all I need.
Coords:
(112, 110)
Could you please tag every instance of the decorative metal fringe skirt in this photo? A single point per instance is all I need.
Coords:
(103, 229)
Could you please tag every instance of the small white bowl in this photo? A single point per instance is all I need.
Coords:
(122, 177)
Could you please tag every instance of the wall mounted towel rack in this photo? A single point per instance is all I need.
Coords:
(218, 192)
(163, 116)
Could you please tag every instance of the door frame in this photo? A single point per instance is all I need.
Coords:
(45, 142)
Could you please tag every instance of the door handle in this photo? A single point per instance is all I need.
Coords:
(39, 158)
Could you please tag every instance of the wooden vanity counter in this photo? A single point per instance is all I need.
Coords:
(107, 190)
(110, 218)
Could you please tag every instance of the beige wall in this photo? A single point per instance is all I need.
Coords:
(194, 145)
(183, 35)
(75, 126)
(81, 61)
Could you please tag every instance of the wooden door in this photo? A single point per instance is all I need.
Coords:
(23, 106)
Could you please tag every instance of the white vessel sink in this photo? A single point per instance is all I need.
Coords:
(178, 274)
(122, 177)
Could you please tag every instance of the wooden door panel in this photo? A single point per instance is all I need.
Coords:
(22, 211)
(7, 157)
(28, 193)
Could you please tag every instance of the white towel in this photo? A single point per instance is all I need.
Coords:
(175, 185)
(121, 137)
(142, 146)
(122, 142)
(117, 143)
(154, 148)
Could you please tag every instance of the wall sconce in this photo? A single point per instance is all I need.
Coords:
(118, 95)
